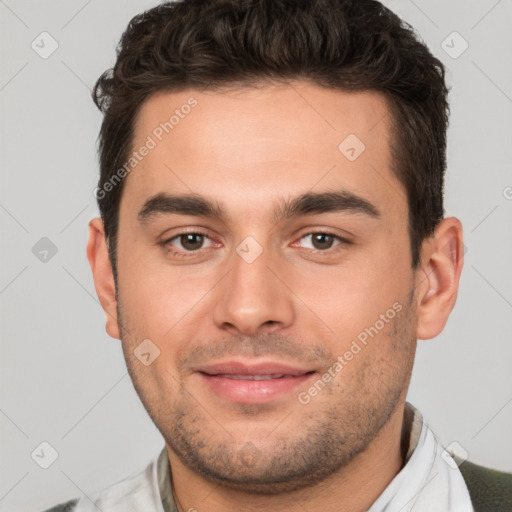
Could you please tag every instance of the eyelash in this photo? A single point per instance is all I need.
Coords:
(341, 242)
(185, 254)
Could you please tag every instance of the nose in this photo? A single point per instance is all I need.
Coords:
(252, 299)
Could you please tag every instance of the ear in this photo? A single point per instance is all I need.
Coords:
(97, 254)
(442, 258)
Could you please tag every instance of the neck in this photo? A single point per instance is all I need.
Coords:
(353, 488)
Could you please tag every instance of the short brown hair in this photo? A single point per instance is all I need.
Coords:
(350, 45)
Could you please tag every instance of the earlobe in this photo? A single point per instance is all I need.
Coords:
(97, 254)
(438, 277)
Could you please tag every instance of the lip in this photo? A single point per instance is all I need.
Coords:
(261, 368)
(216, 378)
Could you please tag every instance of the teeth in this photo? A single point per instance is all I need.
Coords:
(252, 377)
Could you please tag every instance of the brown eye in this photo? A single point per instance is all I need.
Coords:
(320, 241)
(191, 241)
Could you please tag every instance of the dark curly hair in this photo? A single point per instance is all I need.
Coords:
(350, 45)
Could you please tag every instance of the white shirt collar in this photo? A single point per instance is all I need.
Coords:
(426, 482)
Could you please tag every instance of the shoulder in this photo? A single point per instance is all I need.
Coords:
(138, 491)
(490, 489)
(67, 506)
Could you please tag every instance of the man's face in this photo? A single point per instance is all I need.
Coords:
(265, 284)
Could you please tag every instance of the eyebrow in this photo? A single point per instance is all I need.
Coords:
(184, 205)
(325, 202)
(305, 204)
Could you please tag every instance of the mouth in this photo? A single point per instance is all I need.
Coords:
(252, 383)
(253, 377)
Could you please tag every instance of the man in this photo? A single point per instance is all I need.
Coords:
(271, 246)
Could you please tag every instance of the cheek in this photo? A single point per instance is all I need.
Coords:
(348, 298)
(156, 303)
(159, 300)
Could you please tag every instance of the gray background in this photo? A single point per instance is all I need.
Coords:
(64, 381)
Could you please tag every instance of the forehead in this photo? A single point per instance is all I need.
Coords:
(245, 145)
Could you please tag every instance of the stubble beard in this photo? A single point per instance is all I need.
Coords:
(326, 437)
